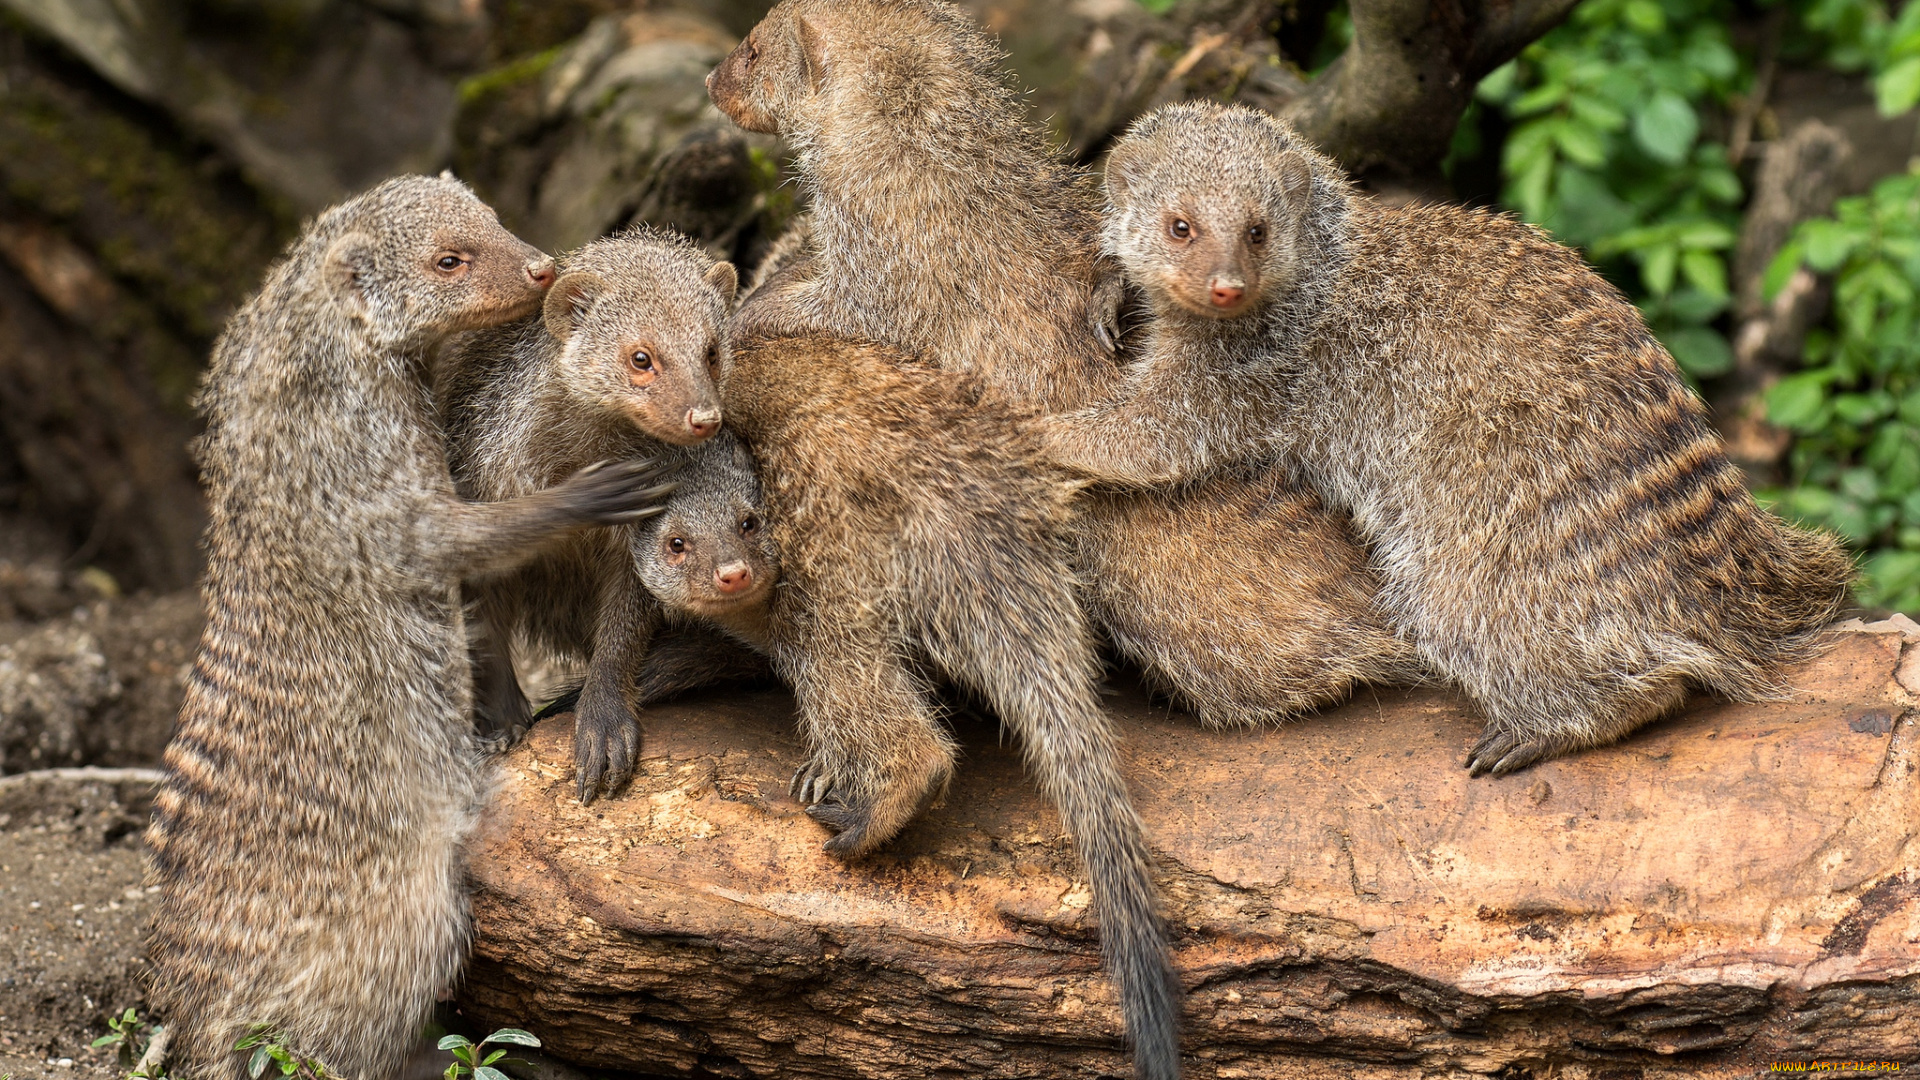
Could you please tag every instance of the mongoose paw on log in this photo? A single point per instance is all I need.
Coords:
(621, 360)
(1556, 527)
(305, 841)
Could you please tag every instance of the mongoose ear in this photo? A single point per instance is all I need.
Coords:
(723, 276)
(568, 301)
(1296, 177)
(813, 52)
(349, 260)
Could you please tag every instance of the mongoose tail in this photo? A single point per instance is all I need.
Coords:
(1048, 698)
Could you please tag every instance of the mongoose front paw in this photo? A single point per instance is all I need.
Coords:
(850, 822)
(606, 744)
(503, 740)
(810, 784)
(618, 492)
(1501, 752)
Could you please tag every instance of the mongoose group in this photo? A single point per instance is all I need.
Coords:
(1406, 443)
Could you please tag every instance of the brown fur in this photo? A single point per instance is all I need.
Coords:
(305, 841)
(921, 536)
(942, 222)
(1555, 522)
(528, 403)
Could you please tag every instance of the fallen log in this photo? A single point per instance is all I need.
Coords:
(1735, 886)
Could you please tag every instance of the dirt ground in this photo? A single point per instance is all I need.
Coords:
(73, 909)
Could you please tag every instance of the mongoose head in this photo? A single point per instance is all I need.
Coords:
(639, 316)
(1216, 210)
(711, 554)
(783, 77)
(418, 258)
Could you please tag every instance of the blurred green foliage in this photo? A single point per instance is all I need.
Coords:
(1855, 408)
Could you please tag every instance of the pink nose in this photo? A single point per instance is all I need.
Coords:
(703, 422)
(1225, 296)
(732, 578)
(541, 274)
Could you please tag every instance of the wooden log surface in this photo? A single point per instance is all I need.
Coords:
(1734, 886)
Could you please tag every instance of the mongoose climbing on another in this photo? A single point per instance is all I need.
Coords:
(943, 223)
(305, 841)
(621, 361)
(921, 536)
(1556, 525)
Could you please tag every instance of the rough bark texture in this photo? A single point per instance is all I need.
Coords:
(1737, 885)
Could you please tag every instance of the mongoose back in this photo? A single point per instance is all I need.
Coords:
(943, 223)
(621, 361)
(324, 768)
(1555, 522)
(920, 534)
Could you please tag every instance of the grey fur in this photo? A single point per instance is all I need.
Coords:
(305, 841)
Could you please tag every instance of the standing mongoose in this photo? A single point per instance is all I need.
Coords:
(944, 224)
(622, 361)
(324, 769)
(1556, 524)
(921, 535)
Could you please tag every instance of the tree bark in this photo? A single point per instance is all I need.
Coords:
(1737, 885)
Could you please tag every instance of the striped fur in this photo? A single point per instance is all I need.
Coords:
(1555, 524)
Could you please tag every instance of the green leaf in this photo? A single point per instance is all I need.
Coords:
(1898, 88)
(451, 1041)
(1691, 307)
(1700, 352)
(513, 1035)
(493, 1057)
(105, 1039)
(1498, 83)
(1581, 144)
(1799, 400)
(1781, 269)
(1706, 271)
(488, 1072)
(1644, 16)
(258, 1063)
(1657, 267)
(1666, 126)
(1828, 243)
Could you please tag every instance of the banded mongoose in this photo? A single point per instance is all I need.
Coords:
(945, 224)
(1556, 524)
(621, 361)
(710, 563)
(920, 534)
(324, 769)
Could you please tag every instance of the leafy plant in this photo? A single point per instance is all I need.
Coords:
(1862, 35)
(1605, 151)
(125, 1035)
(467, 1059)
(1855, 407)
(269, 1047)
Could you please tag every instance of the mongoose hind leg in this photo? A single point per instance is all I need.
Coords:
(501, 714)
(1519, 735)
(694, 658)
(879, 755)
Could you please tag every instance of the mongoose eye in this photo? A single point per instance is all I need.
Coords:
(1180, 229)
(677, 545)
(749, 524)
(642, 360)
(447, 264)
(1257, 234)
(713, 356)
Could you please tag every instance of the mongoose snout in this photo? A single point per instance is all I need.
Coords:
(733, 577)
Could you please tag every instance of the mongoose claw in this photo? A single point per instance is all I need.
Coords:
(848, 823)
(810, 784)
(606, 745)
(620, 492)
(503, 740)
(1500, 752)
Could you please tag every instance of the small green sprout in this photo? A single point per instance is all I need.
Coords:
(466, 1055)
(268, 1045)
(126, 1039)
